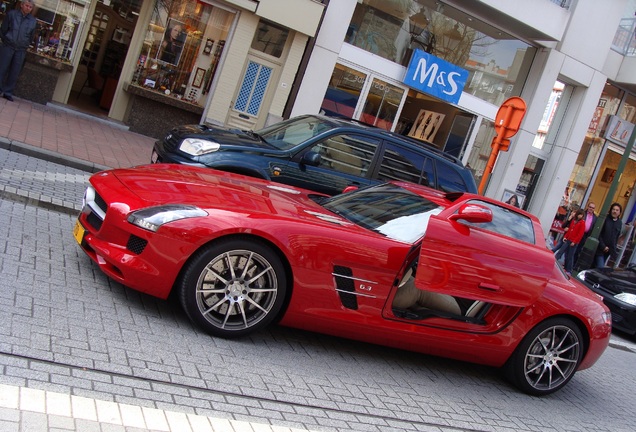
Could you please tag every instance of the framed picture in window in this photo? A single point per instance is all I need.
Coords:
(426, 125)
(608, 175)
(172, 42)
(198, 78)
(513, 198)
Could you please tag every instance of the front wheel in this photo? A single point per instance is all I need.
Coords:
(233, 288)
(547, 358)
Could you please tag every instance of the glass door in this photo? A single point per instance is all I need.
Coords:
(382, 104)
(361, 96)
(343, 92)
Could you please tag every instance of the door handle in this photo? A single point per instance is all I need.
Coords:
(490, 287)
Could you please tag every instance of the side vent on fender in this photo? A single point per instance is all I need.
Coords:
(344, 286)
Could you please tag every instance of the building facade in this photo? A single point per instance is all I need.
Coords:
(152, 64)
(556, 55)
(435, 70)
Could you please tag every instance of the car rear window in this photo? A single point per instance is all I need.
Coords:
(401, 164)
(449, 179)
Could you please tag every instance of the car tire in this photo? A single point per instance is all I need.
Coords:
(547, 357)
(233, 287)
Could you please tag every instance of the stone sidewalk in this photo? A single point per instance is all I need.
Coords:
(77, 139)
(65, 148)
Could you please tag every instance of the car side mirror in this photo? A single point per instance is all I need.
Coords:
(311, 158)
(473, 213)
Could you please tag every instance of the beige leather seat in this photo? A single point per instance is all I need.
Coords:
(408, 296)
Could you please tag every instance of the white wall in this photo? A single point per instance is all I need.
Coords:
(300, 15)
(591, 29)
(323, 57)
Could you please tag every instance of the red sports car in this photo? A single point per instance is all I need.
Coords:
(449, 274)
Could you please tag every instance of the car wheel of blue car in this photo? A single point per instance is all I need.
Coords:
(547, 358)
(233, 287)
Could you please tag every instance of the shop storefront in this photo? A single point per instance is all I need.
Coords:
(152, 64)
(367, 82)
(597, 163)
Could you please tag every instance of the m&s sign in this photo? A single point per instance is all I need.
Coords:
(435, 76)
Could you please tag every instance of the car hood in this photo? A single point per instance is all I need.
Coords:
(225, 136)
(613, 281)
(212, 190)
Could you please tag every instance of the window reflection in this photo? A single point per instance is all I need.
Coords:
(392, 29)
(59, 25)
(480, 152)
(270, 38)
(182, 49)
(592, 149)
(343, 92)
(383, 101)
(506, 222)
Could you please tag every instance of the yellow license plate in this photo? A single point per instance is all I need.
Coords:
(78, 232)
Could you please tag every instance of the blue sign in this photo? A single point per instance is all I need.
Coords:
(435, 76)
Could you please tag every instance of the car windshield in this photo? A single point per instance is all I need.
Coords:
(295, 131)
(387, 209)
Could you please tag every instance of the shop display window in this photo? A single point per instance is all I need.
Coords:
(343, 92)
(59, 25)
(182, 49)
(393, 29)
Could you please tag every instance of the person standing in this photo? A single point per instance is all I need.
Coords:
(590, 221)
(572, 238)
(16, 32)
(608, 239)
(564, 226)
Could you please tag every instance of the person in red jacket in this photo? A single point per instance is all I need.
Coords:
(572, 238)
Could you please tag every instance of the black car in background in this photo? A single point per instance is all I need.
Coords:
(318, 153)
(618, 289)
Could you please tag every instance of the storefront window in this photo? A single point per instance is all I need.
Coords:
(481, 150)
(383, 101)
(343, 92)
(392, 29)
(182, 49)
(591, 151)
(59, 24)
(270, 38)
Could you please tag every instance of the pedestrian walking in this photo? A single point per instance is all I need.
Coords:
(565, 226)
(590, 221)
(16, 32)
(608, 239)
(571, 239)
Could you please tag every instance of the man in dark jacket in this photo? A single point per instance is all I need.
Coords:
(608, 239)
(16, 32)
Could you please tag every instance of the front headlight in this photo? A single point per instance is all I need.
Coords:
(198, 147)
(628, 298)
(152, 218)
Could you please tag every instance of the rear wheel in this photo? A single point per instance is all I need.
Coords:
(547, 358)
(233, 288)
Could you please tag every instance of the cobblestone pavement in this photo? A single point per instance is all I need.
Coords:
(79, 352)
